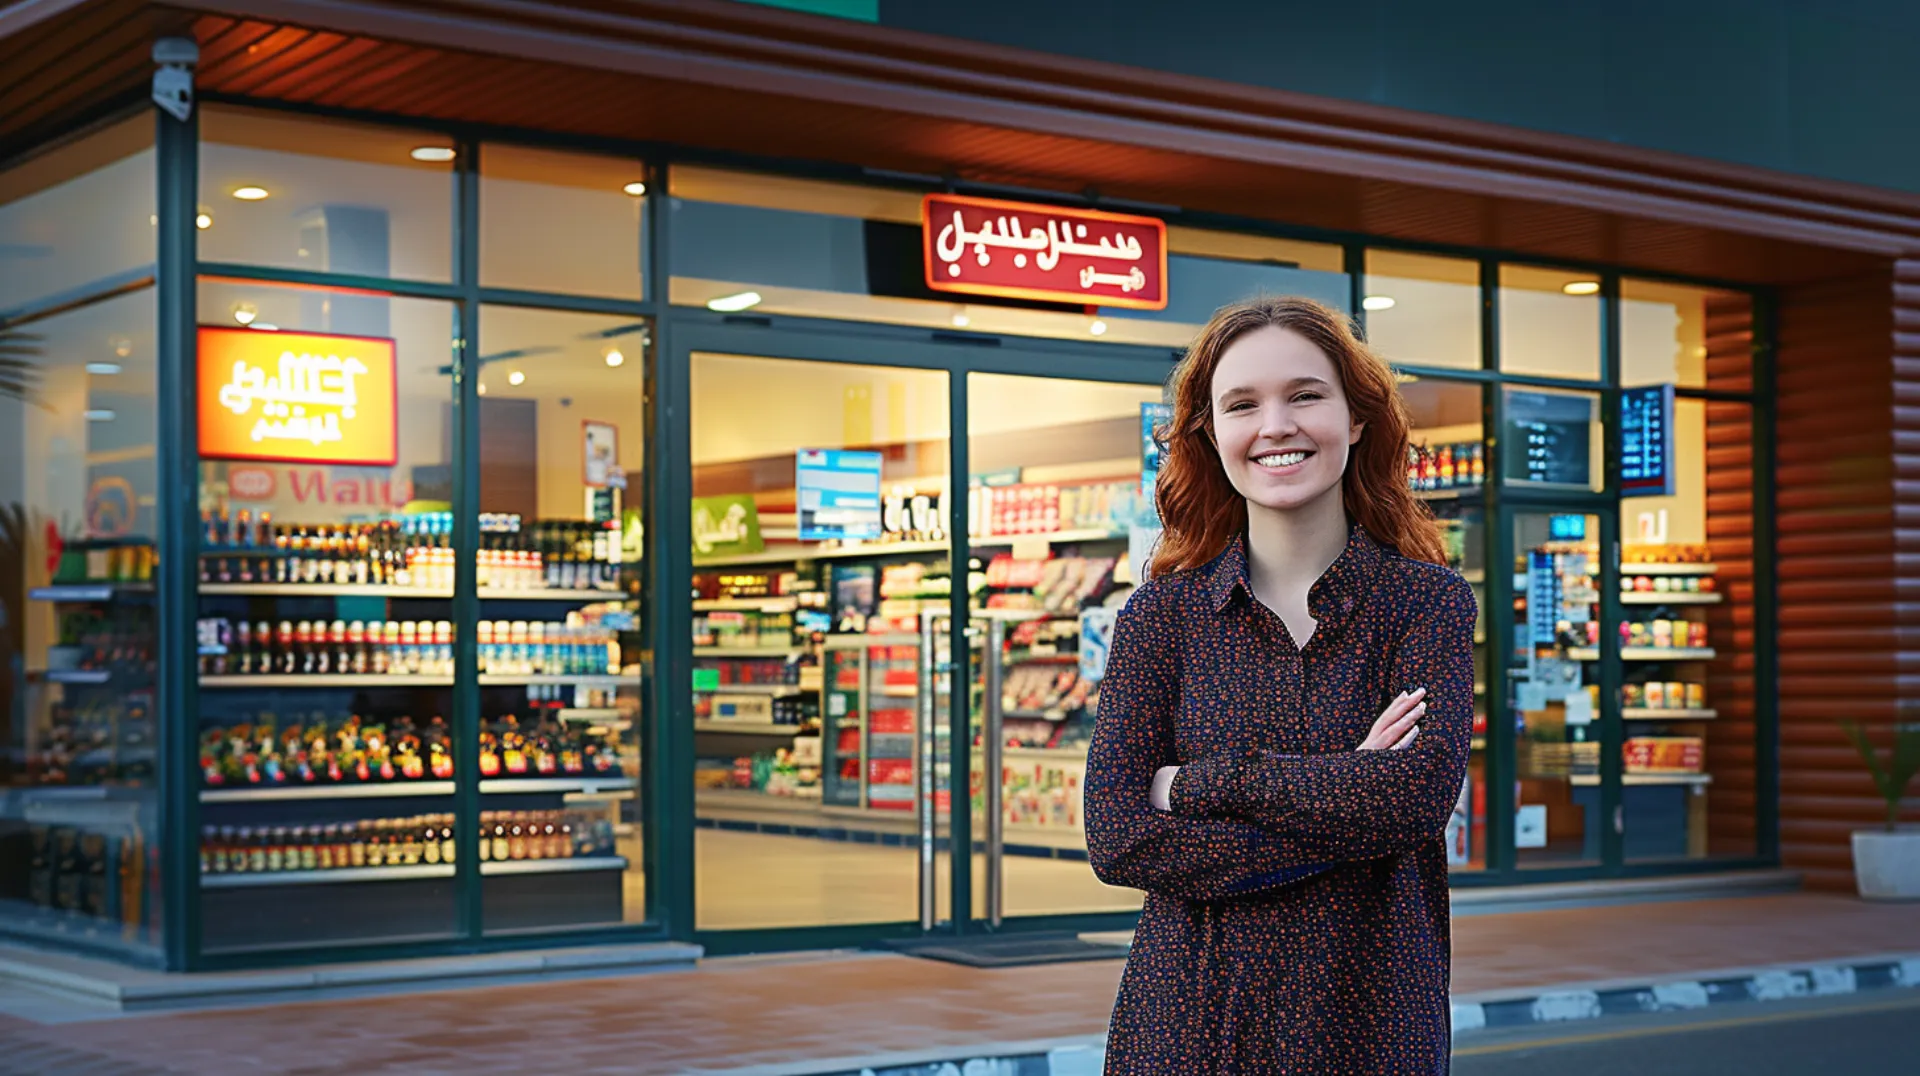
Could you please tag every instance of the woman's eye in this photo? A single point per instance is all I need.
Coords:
(1307, 397)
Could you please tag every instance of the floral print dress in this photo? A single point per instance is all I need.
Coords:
(1297, 907)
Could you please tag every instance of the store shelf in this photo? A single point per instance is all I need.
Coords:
(776, 690)
(896, 692)
(1641, 714)
(553, 866)
(1589, 780)
(587, 680)
(746, 728)
(1654, 597)
(1451, 494)
(77, 676)
(746, 605)
(363, 790)
(390, 590)
(745, 652)
(1668, 569)
(584, 713)
(329, 680)
(1088, 535)
(779, 556)
(496, 785)
(1646, 653)
(88, 592)
(346, 875)
(1038, 715)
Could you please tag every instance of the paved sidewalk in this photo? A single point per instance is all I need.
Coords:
(778, 1012)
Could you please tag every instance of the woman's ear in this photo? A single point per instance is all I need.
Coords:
(1353, 435)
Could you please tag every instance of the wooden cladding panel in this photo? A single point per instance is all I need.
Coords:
(1849, 554)
(1730, 754)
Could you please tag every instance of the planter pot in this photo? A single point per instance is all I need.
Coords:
(1886, 864)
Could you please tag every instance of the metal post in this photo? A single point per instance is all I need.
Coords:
(176, 196)
(923, 765)
(469, 887)
(992, 777)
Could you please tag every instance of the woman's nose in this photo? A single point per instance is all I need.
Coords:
(1277, 421)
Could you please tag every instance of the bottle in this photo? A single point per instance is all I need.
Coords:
(517, 838)
(283, 659)
(240, 650)
(341, 658)
(357, 841)
(499, 839)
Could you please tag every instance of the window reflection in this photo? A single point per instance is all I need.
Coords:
(1423, 310)
(1549, 322)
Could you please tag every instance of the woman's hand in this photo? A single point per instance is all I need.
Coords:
(1161, 794)
(1398, 725)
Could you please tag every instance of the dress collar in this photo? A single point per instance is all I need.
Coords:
(1344, 585)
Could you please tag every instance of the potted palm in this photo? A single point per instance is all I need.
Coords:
(1886, 862)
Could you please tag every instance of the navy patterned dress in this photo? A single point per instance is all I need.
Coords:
(1297, 911)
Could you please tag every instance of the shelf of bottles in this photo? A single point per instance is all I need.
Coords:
(403, 848)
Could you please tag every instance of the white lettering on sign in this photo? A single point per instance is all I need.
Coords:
(325, 383)
(710, 531)
(1045, 244)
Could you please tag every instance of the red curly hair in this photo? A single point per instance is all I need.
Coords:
(1199, 508)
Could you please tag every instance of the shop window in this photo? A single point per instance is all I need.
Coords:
(819, 537)
(562, 645)
(326, 765)
(1688, 699)
(1553, 439)
(828, 250)
(1423, 310)
(561, 222)
(1549, 323)
(1692, 337)
(1447, 470)
(1550, 697)
(325, 196)
(79, 724)
(75, 215)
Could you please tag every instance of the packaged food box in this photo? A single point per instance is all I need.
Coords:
(1664, 754)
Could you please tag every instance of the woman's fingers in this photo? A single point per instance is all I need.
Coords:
(1395, 720)
(1407, 741)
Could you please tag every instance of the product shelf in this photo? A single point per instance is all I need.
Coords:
(1644, 714)
(1589, 780)
(391, 590)
(745, 652)
(776, 604)
(587, 680)
(1452, 493)
(752, 689)
(553, 866)
(1647, 653)
(747, 728)
(88, 592)
(251, 879)
(499, 785)
(77, 676)
(1669, 569)
(1654, 597)
(585, 713)
(362, 790)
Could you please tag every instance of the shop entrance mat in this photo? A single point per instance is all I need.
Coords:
(1009, 950)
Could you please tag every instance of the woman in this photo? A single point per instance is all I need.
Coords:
(1284, 723)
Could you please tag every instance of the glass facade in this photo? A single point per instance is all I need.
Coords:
(452, 691)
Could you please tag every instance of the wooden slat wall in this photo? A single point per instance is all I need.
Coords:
(1732, 758)
(1848, 519)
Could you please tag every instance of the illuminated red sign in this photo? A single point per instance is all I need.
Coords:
(297, 397)
(978, 246)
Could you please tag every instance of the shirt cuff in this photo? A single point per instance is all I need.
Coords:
(1202, 789)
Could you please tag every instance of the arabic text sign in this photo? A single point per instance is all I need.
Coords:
(838, 495)
(297, 397)
(984, 247)
(727, 525)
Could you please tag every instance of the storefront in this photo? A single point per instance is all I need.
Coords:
(438, 534)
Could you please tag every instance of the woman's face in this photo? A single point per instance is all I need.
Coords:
(1281, 420)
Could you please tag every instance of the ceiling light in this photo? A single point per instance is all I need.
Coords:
(250, 194)
(1098, 328)
(961, 321)
(614, 357)
(104, 369)
(1582, 287)
(432, 154)
(244, 313)
(483, 388)
(203, 221)
(733, 304)
(99, 414)
(636, 188)
(1377, 302)
(516, 378)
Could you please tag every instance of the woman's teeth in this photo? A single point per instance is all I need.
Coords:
(1280, 459)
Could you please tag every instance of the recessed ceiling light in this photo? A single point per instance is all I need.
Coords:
(99, 414)
(245, 313)
(432, 154)
(636, 188)
(1098, 328)
(516, 378)
(250, 194)
(1581, 287)
(732, 304)
(961, 321)
(203, 221)
(483, 388)
(1377, 302)
(105, 369)
(614, 357)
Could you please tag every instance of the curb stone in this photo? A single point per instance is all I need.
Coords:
(1554, 1006)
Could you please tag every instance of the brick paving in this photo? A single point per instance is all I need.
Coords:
(769, 1011)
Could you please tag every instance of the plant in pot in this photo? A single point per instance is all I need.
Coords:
(1886, 862)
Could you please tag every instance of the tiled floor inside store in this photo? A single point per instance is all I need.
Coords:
(780, 1010)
